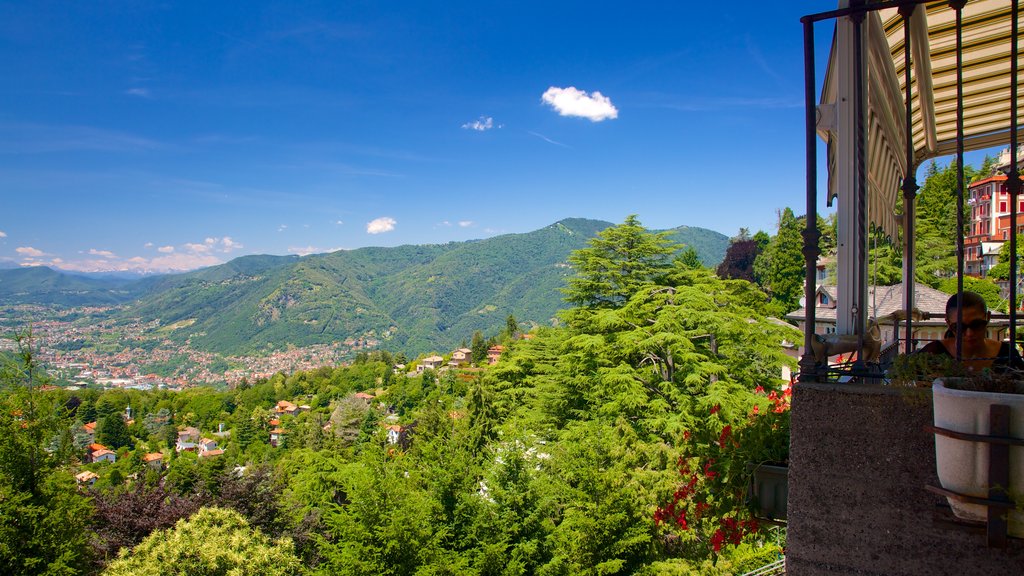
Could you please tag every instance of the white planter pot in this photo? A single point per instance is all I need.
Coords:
(963, 466)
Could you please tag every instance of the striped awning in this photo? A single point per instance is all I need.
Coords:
(986, 89)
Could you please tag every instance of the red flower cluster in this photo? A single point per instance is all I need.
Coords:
(724, 436)
(780, 402)
(732, 531)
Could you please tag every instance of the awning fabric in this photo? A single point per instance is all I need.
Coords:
(986, 89)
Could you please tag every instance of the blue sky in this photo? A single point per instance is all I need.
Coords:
(168, 136)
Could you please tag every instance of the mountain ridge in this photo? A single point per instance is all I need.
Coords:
(414, 298)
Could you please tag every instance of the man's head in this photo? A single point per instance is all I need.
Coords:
(974, 315)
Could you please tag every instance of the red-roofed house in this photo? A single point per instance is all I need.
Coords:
(461, 357)
(86, 478)
(285, 407)
(277, 436)
(154, 460)
(494, 353)
(104, 456)
(430, 363)
(211, 453)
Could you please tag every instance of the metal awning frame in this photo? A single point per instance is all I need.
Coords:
(881, 126)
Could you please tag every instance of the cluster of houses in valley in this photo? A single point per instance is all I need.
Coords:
(460, 358)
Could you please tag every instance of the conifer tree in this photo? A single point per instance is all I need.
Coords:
(618, 261)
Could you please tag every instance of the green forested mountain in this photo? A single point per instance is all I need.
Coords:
(412, 298)
(42, 285)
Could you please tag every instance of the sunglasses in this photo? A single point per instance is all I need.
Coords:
(976, 325)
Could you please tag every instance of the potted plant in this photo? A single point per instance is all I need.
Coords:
(963, 405)
(920, 370)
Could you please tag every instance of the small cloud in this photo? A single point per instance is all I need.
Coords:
(572, 102)
(102, 253)
(29, 252)
(380, 225)
(214, 244)
(282, 227)
(229, 245)
(3, 234)
(141, 92)
(304, 250)
(165, 249)
(465, 223)
(482, 124)
(339, 222)
(446, 223)
(147, 245)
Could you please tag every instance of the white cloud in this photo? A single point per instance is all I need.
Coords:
(165, 249)
(102, 253)
(339, 222)
(282, 227)
(229, 245)
(147, 245)
(380, 225)
(29, 251)
(482, 124)
(223, 245)
(304, 250)
(465, 223)
(3, 234)
(572, 102)
(446, 223)
(143, 92)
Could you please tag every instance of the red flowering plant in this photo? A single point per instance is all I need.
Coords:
(709, 509)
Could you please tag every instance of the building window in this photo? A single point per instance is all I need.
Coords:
(1002, 206)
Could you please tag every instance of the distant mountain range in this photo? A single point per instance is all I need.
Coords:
(412, 298)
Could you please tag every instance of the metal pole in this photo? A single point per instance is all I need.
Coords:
(1013, 177)
(909, 186)
(860, 234)
(808, 368)
(957, 6)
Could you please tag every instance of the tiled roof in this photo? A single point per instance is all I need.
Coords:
(883, 301)
(152, 456)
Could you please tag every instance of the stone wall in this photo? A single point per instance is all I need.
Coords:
(859, 461)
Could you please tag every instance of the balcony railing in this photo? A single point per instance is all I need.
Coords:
(880, 127)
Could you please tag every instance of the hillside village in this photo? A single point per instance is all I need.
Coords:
(168, 441)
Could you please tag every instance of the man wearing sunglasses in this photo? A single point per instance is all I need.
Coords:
(978, 351)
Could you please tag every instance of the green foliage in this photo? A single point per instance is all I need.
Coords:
(615, 263)
(212, 542)
(779, 267)
(42, 516)
(479, 347)
(112, 432)
(984, 287)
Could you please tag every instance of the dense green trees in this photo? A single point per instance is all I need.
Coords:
(112, 431)
(42, 516)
